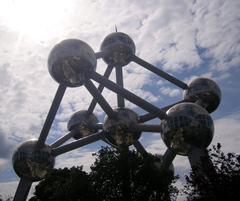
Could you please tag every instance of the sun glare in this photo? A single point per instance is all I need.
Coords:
(35, 18)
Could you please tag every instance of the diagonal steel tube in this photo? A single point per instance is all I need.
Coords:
(159, 72)
(141, 149)
(150, 116)
(128, 95)
(168, 158)
(22, 190)
(77, 144)
(100, 99)
(62, 140)
(119, 81)
(51, 114)
(100, 89)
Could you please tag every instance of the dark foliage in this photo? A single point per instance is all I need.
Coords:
(114, 176)
(65, 185)
(223, 184)
(127, 176)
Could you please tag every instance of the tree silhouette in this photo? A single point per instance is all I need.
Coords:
(223, 184)
(121, 175)
(116, 175)
(65, 185)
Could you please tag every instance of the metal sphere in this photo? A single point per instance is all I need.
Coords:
(118, 128)
(204, 92)
(187, 125)
(82, 124)
(71, 61)
(117, 48)
(32, 162)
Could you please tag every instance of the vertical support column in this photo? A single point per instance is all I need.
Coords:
(119, 81)
(125, 173)
(200, 162)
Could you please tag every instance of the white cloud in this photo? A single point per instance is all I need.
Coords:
(217, 24)
(76, 158)
(8, 188)
(170, 91)
(227, 133)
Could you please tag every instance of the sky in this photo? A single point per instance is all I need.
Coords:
(187, 38)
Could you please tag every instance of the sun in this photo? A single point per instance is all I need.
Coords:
(35, 18)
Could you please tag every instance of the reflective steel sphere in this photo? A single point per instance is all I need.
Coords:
(204, 92)
(82, 124)
(32, 162)
(117, 48)
(118, 129)
(71, 61)
(187, 125)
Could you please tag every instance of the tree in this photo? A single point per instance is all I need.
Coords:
(115, 172)
(65, 185)
(223, 184)
(114, 176)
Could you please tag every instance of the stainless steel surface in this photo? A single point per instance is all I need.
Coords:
(70, 62)
(82, 124)
(119, 81)
(51, 114)
(188, 125)
(155, 128)
(32, 162)
(159, 72)
(118, 130)
(100, 89)
(78, 143)
(99, 98)
(117, 48)
(23, 189)
(62, 140)
(140, 148)
(150, 116)
(204, 92)
(128, 95)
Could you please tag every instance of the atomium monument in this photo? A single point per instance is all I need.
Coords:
(186, 126)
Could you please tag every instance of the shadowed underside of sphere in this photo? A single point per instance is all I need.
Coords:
(71, 61)
(32, 162)
(118, 128)
(82, 124)
(204, 92)
(117, 48)
(187, 125)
